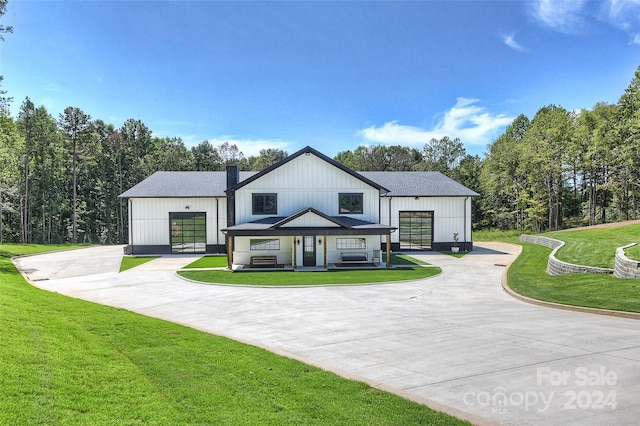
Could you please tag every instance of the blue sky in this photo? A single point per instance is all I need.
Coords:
(333, 75)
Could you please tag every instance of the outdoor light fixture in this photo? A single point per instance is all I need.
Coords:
(319, 241)
(298, 242)
(186, 207)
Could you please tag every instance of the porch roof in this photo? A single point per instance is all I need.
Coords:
(274, 225)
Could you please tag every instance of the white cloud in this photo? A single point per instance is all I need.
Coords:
(625, 15)
(465, 120)
(510, 40)
(573, 16)
(566, 16)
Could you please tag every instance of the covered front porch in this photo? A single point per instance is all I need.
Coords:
(330, 267)
(307, 239)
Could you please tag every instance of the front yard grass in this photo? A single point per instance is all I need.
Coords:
(406, 260)
(291, 278)
(221, 261)
(278, 278)
(209, 262)
(633, 252)
(527, 275)
(129, 262)
(594, 247)
(71, 362)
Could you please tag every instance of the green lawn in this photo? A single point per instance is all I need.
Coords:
(290, 278)
(69, 362)
(594, 247)
(129, 262)
(527, 275)
(406, 260)
(633, 252)
(209, 262)
(495, 235)
(221, 261)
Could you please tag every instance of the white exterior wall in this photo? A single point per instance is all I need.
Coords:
(333, 254)
(307, 181)
(310, 220)
(242, 250)
(149, 218)
(448, 215)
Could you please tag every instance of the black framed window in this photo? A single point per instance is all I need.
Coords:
(350, 203)
(188, 232)
(265, 203)
(351, 243)
(265, 244)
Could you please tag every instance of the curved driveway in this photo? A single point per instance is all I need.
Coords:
(456, 341)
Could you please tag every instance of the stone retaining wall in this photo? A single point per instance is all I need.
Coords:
(558, 267)
(625, 267)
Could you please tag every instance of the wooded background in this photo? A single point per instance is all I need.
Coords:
(60, 177)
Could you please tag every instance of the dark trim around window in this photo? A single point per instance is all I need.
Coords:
(264, 203)
(350, 203)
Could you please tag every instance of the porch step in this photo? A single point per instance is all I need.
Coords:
(310, 269)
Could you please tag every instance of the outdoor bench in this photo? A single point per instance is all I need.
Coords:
(264, 261)
(353, 257)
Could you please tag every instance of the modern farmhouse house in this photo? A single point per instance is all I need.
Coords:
(306, 210)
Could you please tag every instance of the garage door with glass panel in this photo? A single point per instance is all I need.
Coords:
(188, 232)
(416, 230)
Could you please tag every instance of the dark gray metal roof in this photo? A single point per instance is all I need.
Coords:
(419, 184)
(182, 185)
(273, 226)
(213, 184)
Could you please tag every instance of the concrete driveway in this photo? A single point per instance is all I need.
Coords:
(456, 342)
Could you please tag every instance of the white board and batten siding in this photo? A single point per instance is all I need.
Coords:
(242, 250)
(450, 215)
(307, 181)
(150, 218)
(372, 243)
(310, 220)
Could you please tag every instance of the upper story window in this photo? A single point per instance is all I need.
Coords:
(265, 203)
(350, 203)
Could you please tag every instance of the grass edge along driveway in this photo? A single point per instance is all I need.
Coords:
(527, 275)
(417, 270)
(72, 362)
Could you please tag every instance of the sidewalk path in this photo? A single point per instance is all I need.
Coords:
(456, 339)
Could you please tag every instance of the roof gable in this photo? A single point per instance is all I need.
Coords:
(308, 217)
(308, 150)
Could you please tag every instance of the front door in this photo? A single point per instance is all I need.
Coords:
(309, 250)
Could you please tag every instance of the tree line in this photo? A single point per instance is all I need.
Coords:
(60, 177)
(558, 169)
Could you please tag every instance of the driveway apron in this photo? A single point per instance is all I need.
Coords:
(455, 341)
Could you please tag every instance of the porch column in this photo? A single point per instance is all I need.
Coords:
(230, 252)
(325, 251)
(388, 250)
(295, 253)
